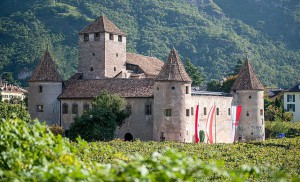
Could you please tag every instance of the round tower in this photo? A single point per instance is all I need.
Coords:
(171, 95)
(249, 92)
(45, 85)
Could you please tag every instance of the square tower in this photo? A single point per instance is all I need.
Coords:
(101, 50)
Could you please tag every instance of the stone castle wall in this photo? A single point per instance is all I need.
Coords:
(47, 99)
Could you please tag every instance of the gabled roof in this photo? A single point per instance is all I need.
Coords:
(247, 79)
(102, 24)
(295, 88)
(173, 69)
(150, 65)
(124, 87)
(45, 70)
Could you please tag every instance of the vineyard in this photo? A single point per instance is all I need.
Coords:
(30, 152)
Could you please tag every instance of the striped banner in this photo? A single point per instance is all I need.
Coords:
(235, 117)
(209, 124)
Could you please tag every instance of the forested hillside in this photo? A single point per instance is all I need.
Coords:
(213, 34)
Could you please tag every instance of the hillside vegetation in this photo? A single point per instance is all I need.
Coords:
(212, 34)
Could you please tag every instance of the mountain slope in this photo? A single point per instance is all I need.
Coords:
(213, 34)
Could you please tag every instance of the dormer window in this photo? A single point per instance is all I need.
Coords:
(111, 36)
(86, 37)
(120, 38)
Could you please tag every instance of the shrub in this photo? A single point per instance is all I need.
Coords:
(56, 130)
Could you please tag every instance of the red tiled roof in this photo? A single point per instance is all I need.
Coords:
(123, 87)
(173, 69)
(247, 79)
(46, 70)
(150, 65)
(102, 24)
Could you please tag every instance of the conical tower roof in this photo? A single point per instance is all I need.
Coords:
(173, 69)
(247, 79)
(46, 70)
(102, 24)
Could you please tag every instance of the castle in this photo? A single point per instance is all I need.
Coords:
(159, 96)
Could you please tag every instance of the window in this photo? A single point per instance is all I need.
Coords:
(192, 111)
(250, 96)
(120, 38)
(204, 110)
(65, 108)
(186, 89)
(290, 98)
(261, 112)
(86, 37)
(229, 111)
(247, 113)
(93, 54)
(157, 88)
(91, 69)
(298, 87)
(97, 36)
(75, 109)
(173, 88)
(115, 69)
(86, 107)
(148, 109)
(291, 107)
(40, 108)
(111, 36)
(128, 109)
(40, 88)
(117, 55)
(187, 112)
(218, 111)
(168, 112)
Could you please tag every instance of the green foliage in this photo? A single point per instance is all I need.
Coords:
(8, 111)
(225, 86)
(194, 72)
(30, 152)
(289, 128)
(272, 112)
(211, 33)
(100, 122)
(8, 77)
(56, 129)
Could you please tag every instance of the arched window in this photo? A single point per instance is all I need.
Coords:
(128, 137)
(86, 107)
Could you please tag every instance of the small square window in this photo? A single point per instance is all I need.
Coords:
(187, 112)
(97, 36)
(168, 112)
(291, 107)
(40, 108)
(261, 112)
(290, 98)
(40, 89)
(86, 37)
(120, 38)
(111, 36)
(148, 109)
(173, 88)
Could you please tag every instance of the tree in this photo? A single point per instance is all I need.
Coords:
(100, 122)
(194, 72)
(8, 77)
(237, 67)
(214, 86)
(228, 83)
(9, 111)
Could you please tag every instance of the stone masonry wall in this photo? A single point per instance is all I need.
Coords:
(47, 98)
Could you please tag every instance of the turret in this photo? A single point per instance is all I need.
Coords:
(248, 92)
(172, 89)
(45, 85)
(101, 50)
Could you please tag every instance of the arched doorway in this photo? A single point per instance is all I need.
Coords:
(128, 137)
